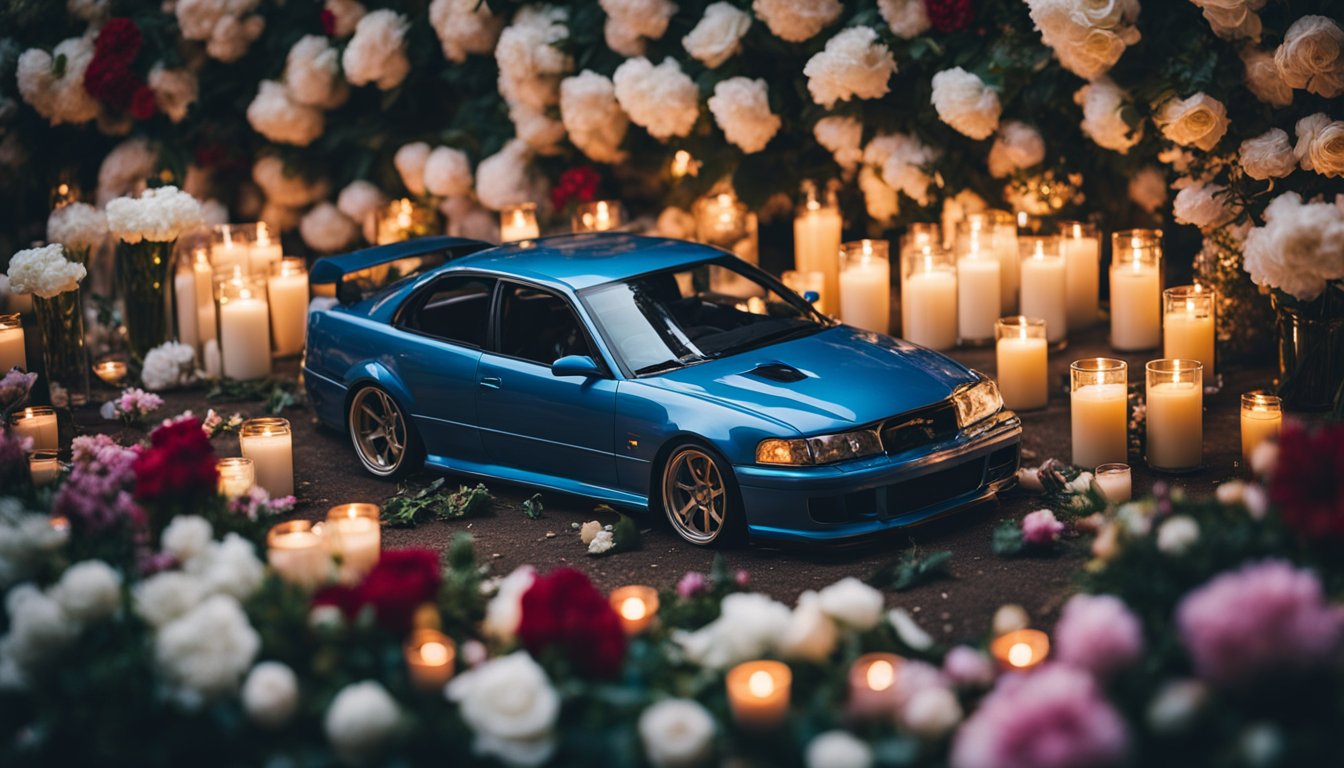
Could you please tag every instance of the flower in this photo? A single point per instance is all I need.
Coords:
(358, 200)
(852, 603)
(1040, 528)
(1268, 156)
(278, 117)
(1307, 486)
(1017, 146)
(662, 99)
(132, 406)
(1300, 247)
(1320, 145)
(26, 539)
(529, 59)
(1148, 188)
(592, 116)
(676, 733)
(603, 542)
(1175, 705)
(410, 162)
(1010, 617)
(1204, 205)
(741, 108)
(1311, 56)
(717, 37)
(55, 92)
(838, 749)
(324, 228)
(968, 668)
(464, 27)
(228, 27)
(187, 537)
(504, 610)
(562, 610)
(109, 78)
(270, 695)
(78, 226)
(377, 52)
(1263, 620)
(749, 624)
(1052, 717)
(907, 18)
(505, 177)
(159, 215)
(948, 16)
(313, 73)
(966, 103)
(796, 20)
(88, 591)
(1263, 78)
(1099, 634)
(401, 581)
(1232, 19)
(169, 365)
(38, 627)
(175, 90)
(165, 596)
(1197, 121)
(692, 584)
(811, 635)
(283, 188)
(207, 650)
(842, 137)
(341, 17)
(908, 630)
(631, 22)
(853, 64)
(178, 466)
(1088, 38)
(360, 722)
(902, 159)
(1104, 104)
(44, 271)
(511, 707)
(1177, 534)
(447, 172)
(96, 497)
(931, 712)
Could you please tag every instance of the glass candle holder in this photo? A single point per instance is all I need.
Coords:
(598, 216)
(929, 297)
(1023, 361)
(186, 310)
(1261, 420)
(295, 551)
(43, 467)
(1115, 482)
(1044, 286)
(237, 475)
(287, 294)
(1099, 411)
(994, 232)
(244, 325)
(110, 372)
(265, 251)
(12, 354)
(518, 222)
(1080, 243)
(430, 659)
(1175, 414)
(268, 442)
(865, 285)
(758, 693)
(872, 685)
(354, 536)
(1136, 289)
(723, 221)
(979, 302)
(231, 246)
(816, 240)
(404, 219)
(637, 606)
(1021, 649)
(1188, 324)
(37, 422)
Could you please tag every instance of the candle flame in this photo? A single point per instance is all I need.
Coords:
(1040, 250)
(228, 238)
(1021, 655)
(760, 684)
(263, 236)
(634, 609)
(1022, 219)
(434, 653)
(1077, 230)
(881, 674)
(681, 163)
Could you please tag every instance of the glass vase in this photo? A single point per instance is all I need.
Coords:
(61, 323)
(142, 281)
(1311, 353)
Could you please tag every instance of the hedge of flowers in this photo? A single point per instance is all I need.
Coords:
(142, 625)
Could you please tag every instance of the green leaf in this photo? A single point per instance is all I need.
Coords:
(414, 504)
(1007, 540)
(532, 507)
(912, 569)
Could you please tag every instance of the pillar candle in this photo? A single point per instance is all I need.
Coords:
(268, 443)
(39, 423)
(978, 297)
(43, 467)
(11, 343)
(1045, 286)
(637, 606)
(245, 334)
(1261, 420)
(430, 659)
(287, 294)
(1004, 242)
(1115, 482)
(917, 243)
(758, 693)
(354, 537)
(1081, 245)
(1175, 415)
(264, 251)
(184, 301)
(1099, 411)
(872, 685)
(230, 249)
(816, 243)
(518, 222)
(295, 551)
(214, 367)
(1022, 361)
(599, 216)
(865, 285)
(1136, 290)
(203, 274)
(1188, 325)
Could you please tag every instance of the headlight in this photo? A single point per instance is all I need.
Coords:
(823, 449)
(976, 402)
(783, 452)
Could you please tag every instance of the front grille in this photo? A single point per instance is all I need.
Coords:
(918, 428)
(900, 498)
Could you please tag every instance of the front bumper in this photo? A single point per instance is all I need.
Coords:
(860, 498)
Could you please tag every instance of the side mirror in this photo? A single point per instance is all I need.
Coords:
(576, 365)
(811, 297)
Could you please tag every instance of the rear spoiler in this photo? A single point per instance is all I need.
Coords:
(350, 277)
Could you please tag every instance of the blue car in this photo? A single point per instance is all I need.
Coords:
(647, 373)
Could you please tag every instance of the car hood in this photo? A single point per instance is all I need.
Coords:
(830, 381)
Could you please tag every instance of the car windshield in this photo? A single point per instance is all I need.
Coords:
(665, 320)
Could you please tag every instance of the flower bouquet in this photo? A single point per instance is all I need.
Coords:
(54, 282)
(79, 227)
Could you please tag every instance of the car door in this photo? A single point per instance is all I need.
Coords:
(445, 327)
(529, 418)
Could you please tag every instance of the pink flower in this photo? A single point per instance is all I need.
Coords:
(1053, 717)
(1266, 618)
(968, 668)
(741, 578)
(692, 584)
(1099, 634)
(1041, 528)
(14, 388)
(96, 497)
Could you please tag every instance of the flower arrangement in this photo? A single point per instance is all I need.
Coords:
(44, 272)
(79, 227)
(133, 406)
(54, 281)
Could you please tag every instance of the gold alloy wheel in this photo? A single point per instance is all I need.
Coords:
(378, 431)
(695, 495)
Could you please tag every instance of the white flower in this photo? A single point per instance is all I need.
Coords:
(966, 103)
(58, 96)
(811, 635)
(208, 649)
(313, 73)
(359, 199)
(468, 218)
(89, 10)
(511, 707)
(88, 590)
(361, 720)
(907, 18)
(377, 52)
(410, 162)
(676, 733)
(662, 99)
(447, 172)
(796, 20)
(631, 22)
(676, 223)
(908, 630)
(592, 116)
(1233, 19)
(169, 365)
(842, 137)
(852, 603)
(1177, 534)
(538, 129)
(175, 90)
(125, 169)
(25, 539)
(1230, 493)
(741, 108)
(717, 37)
(159, 215)
(838, 749)
(1263, 77)
(1148, 189)
(931, 712)
(902, 159)
(601, 543)
(229, 567)
(529, 59)
(505, 177)
(1010, 617)
(282, 188)
(228, 27)
(749, 624)
(38, 627)
(77, 226)
(853, 64)
(1103, 103)
(44, 271)
(324, 228)
(505, 609)
(1320, 145)
(1017, 146)
(957, 209)
(463, 27)
(345, 16)
(1203, 205)
(187, 537)
(270, 695)
(1175, 705)
(1311, 56)
(1087, 36)
(879, 199)
(1197, 121)
(1268, 156)
(1300, 247)
(166, 596)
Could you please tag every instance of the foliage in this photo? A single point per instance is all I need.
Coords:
(532, 507)
(912, 569)
(277, 393)
(415, 504)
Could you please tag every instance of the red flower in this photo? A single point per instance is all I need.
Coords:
(1307, 486)
(948, 16)
(119, 40)
(178, 465)
(578, 183)
(143, 105)
(109, 78)
(328, 21)
(402, 581)
(564, 611)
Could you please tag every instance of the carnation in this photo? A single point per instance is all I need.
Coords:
(1311, 56)
(410, 162)
(741, 108)
(313, 73)
(1320, 145)
(279, 118)
(1017, 146)
(324, 228)
(1148, 189)
(505, 178)
(907, 18)
(631, 22)
(1299, 249)
(447, 172)
(1204, 205)
(270, 695)
(842, 137)
(1197, 121)
(717, 37)
(1099, 634)
(511, 708)
(853, 64)
(530, 63)
(169, 365)
(175, 90)
(44, 271)
(125, 168)
(283, 188)
(1087, 38)
(377, 52)
(1233, 19)
(676, 733)
(796, 20)
(227, 27)
(464, 27)
(1103, 104)
(362, 719)
(88, 591)
(61, 98)
(1268, 156)
(592, 116)
(159, 215)
(662, 99)
(966, 103)
(811, 635)
(78, 226)
(207, 650)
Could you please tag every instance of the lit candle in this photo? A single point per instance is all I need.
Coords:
(1261, 420)
(264, 251)
(978, 298)
(1136, 289)
(110, 371)
(268, 443)
(430, 657)
(1115, 482)
(44, 467)
(918, 241)
(1022, 358)
(865, 285)
(1187, 325)
(11, 343)
(184, 304)
(294, 550)
(872, 685)
(1020, 649)
(1045, 286)
(1175, 419)
(599, 216)
(203, 280)
(39, 423)
(758, 693)
(683, 164)
(1099, 408)
(929, 298)
(1003, 239)
(518, 222)
(230, 250)
(59, 523)
(355, 537)
(816, 242)
(287, 293)
(637, 606)
(724, 221)
(237, 475)
(244, 328)
(1081, 244)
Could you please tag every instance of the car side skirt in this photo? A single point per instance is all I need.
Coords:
(611, 496)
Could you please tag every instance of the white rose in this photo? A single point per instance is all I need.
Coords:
(208, 649)
(1197, 121)
(187, 537)
(361, 720)
(410, 162)
(1299, 249)
(511, 707)
(796, 20)
(838, 749)
(324, 228)
(1203, 205)
(741, 108)
(842, 137)
(377, 52)
(1233, 19)
(931, 713)
(1148, 189)
(1268, 156)
(44, 271)
(662, 99)
(749, 625)
(677, 733)
(966, 103)
(1089, 37)
(852, 603)
(270, 695)
(88, 591)
(1264, 79)
(1177, 535)
(505, 609)
(447, 172)
(1320, 145)
(592, 116)
(166, 596)
(1103, 103)
(1017, 146)
(279, 118)
(1311, 56)
(810, 634)
(907, 18)
(718, 34)
(463, 27)
(854, 63)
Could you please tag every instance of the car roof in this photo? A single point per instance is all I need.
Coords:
(586, 260)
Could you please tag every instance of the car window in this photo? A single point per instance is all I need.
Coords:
(539, 326)
(456, 309)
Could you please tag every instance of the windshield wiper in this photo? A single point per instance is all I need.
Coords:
(670, 365)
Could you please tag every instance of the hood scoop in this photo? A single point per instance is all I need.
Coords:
(780, 372)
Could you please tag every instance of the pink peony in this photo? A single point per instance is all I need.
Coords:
(968, 668)
(1053, 717)
(1099, 634)
(694, 583)
(1265, 618)
(1041, 528)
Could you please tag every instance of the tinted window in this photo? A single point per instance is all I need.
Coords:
(456, 309)
(539, 326)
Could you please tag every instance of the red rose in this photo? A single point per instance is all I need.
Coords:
(579, 183)
(178, 465)
(143, 105)
(110, 82)
(1307, 486)
(948, 16)
(564, 611)
(328, 21)
(402, 581)
(119, 40)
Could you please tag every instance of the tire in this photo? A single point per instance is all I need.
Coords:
(699, 496)
(384, 440)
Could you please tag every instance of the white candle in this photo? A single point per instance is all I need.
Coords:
(188, 314)
(295, 551)
(816, 244)
(245, 335)
(1136, 290)
(354, 536)
(43, 467)
(287, 293)
(1004, 241)
(930, 300)
(1175, 415)
(264, 251)
(237, 476)
(599, 216)
(917, 243)
(865, 285)
(978, 297)
(230, 251)
(518, 222)
(1045, 286)
(11, 343)
(1261, 420)
(1022, 360)
(1099, 411)
(214, 367)
(1081, 245)
(268, 443)
(1188, 325)
(203, 280)
(38, 423)
(1115, 482)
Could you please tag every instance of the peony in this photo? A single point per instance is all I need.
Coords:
(1320, 145)
(592, 116)
(361, 720)
(88, 591)
(1268, 156)
(1308, 484)
(529, 59)
(796, 20)
(534, 126)
(324, 228)
(359, 199)
(631, 22)
(907, 18)
(1088, 38)
(187, 537)
(38, 627)
(464, 27)
(810, 635)
(838, 749)
(228, 27)
(1197, 121)
(53, 83)
(662, 99)
(842, 137)
(852, 603)
(279, 118)
(1099, 634)
(1204, 205)
(966, 103)
(677, 733)
(166, 596)
(1148, 189)
(1264, 79)
(175, 90)
(345, 16)
(1233, 19)
(504, 610)
(208, 649)
(377, 52)
(1311, 56)
(879, 199)
(169, 365)
(717, 37)
(1103, 104)
(1040, 528)
(902, 160)
(741, 108)
(1177, 534)
(969, 668)
(159, 215)
(511, 707)
(853, 64)
(78, 226)
(447, 172)
(1300, 247)
(410, 162)
(270, 695)
(931, 712)
(313, 73)
(749, 624)
(504, 178)
(44, 271)
(1017, 146)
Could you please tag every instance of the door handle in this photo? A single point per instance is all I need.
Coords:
(491, 382)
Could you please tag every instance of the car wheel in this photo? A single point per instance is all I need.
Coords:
(700, 497)
(384, 441)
